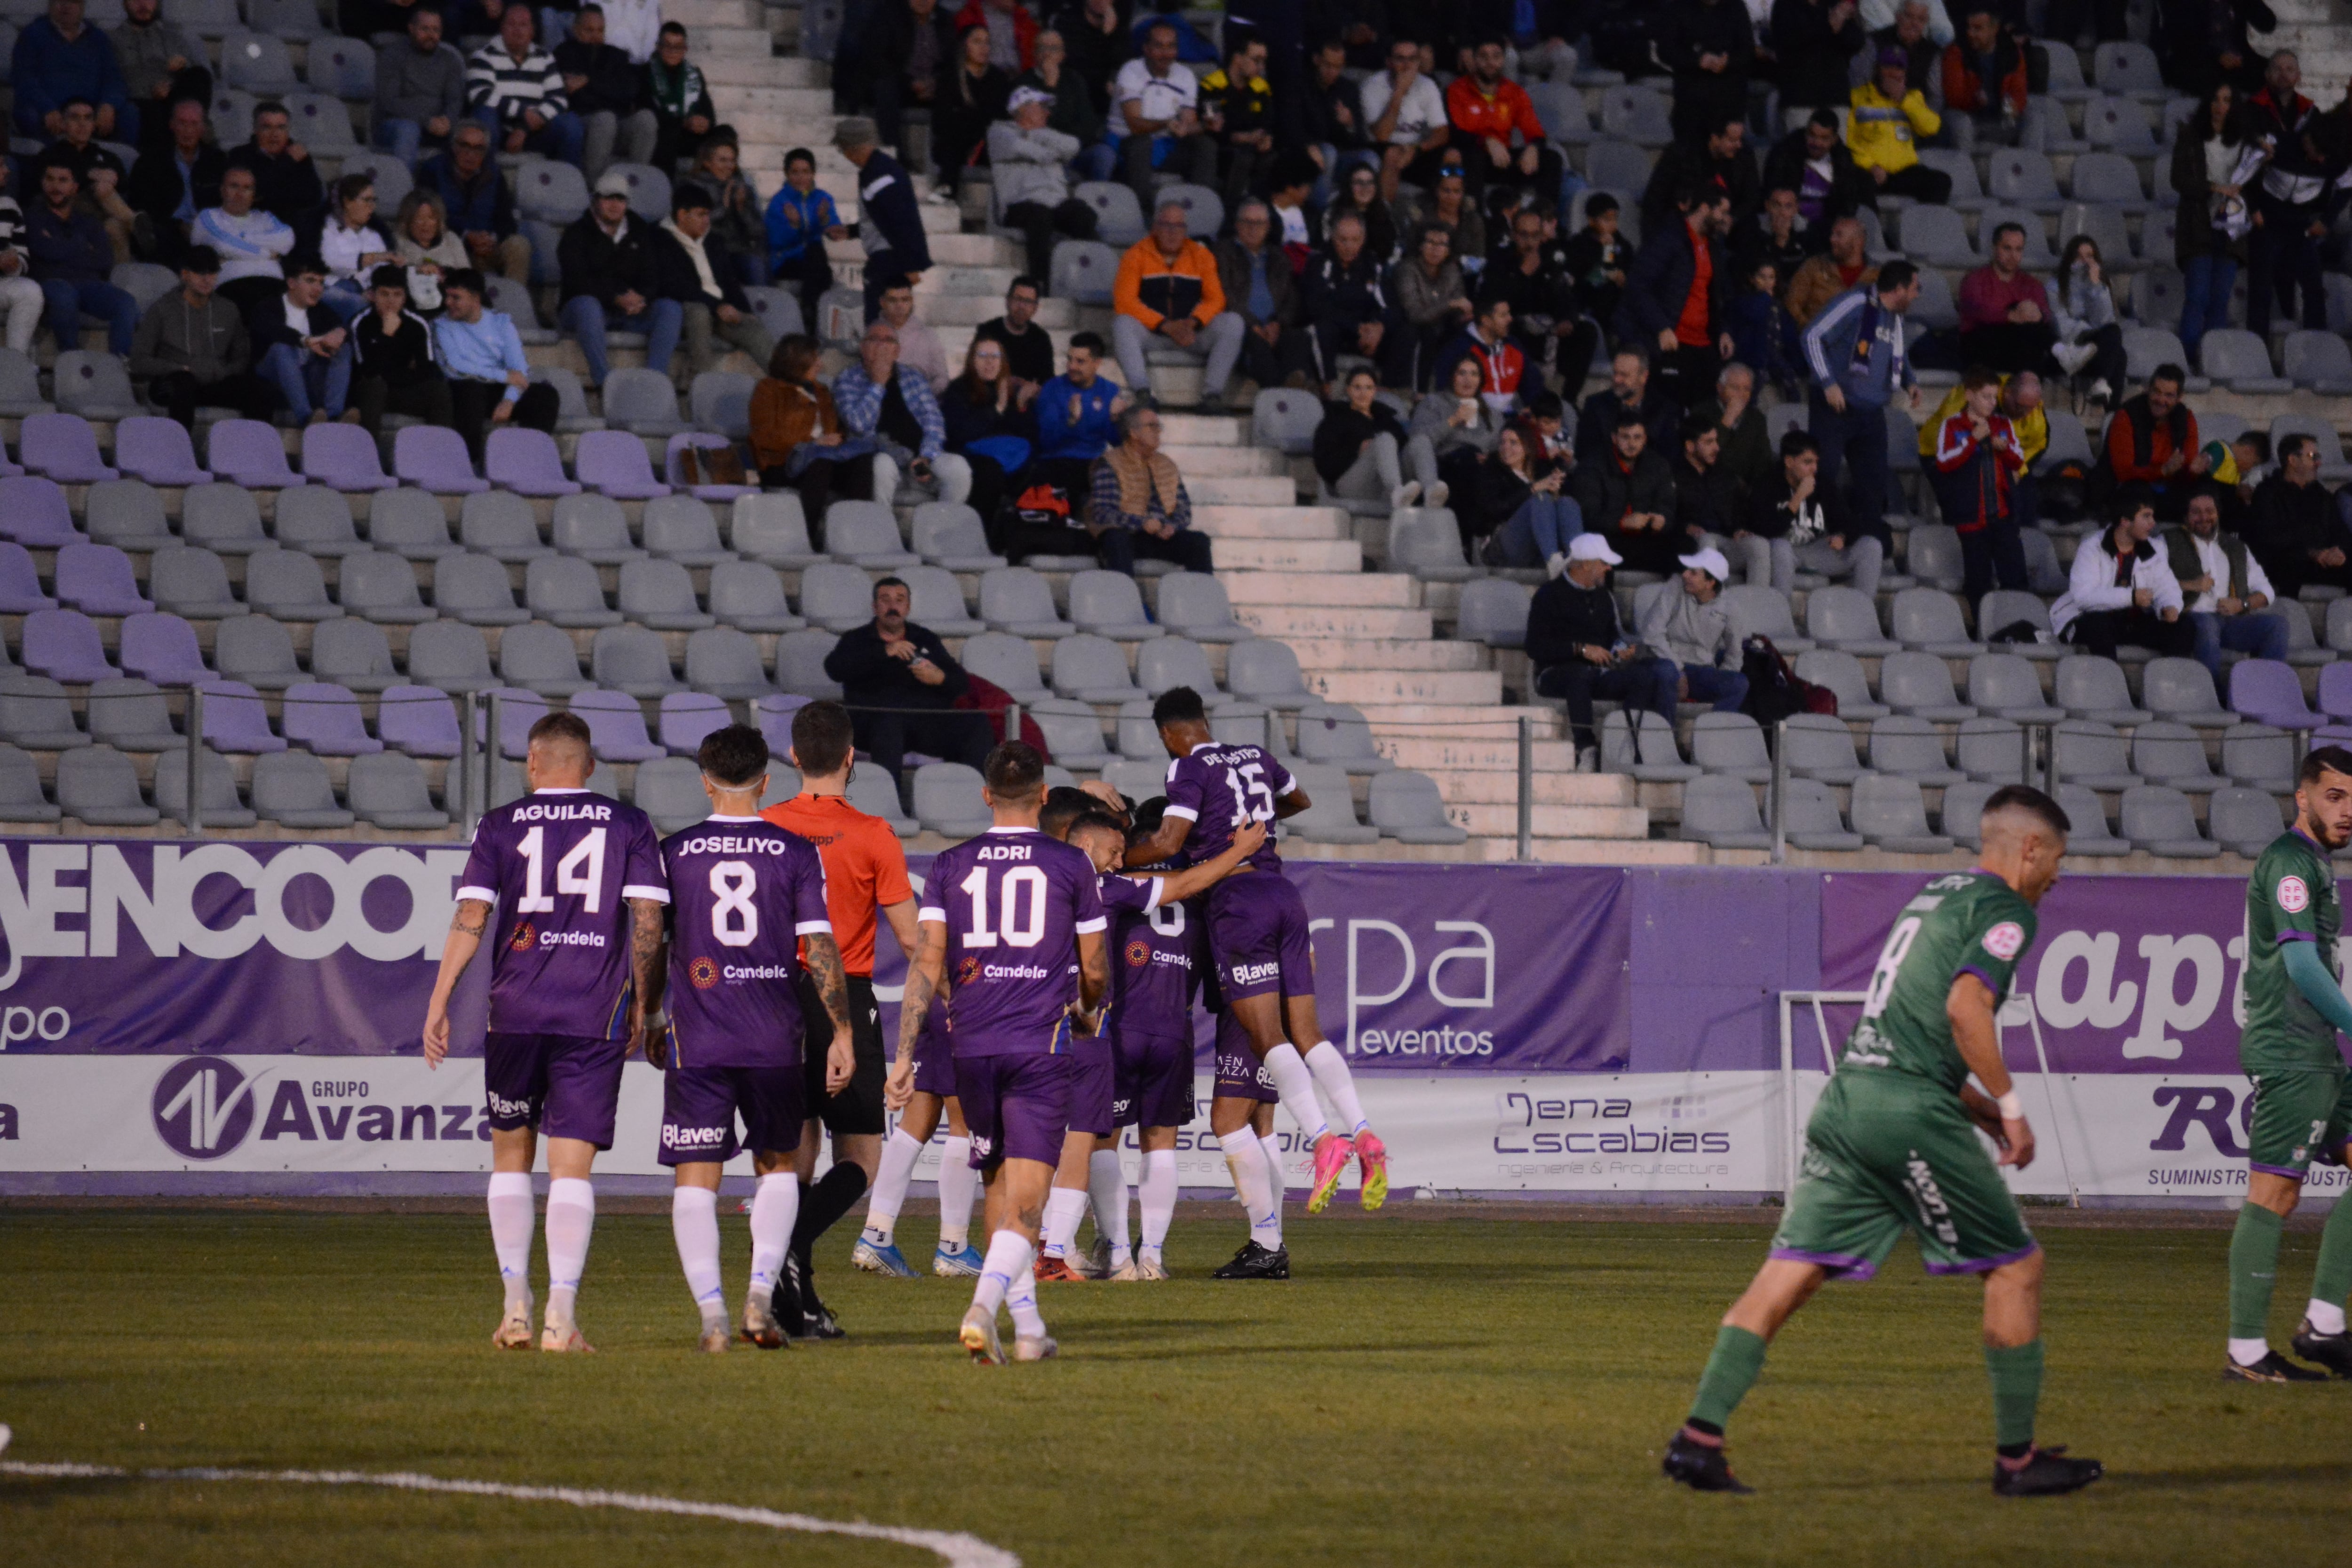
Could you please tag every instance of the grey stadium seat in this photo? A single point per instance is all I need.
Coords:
(1018, 600)
(1929, 619)
(950, 535)
(837, 598)
(477, 590)
(2243, 821)
(99, 785)
(2005, 684)
(772, 528)
(1842, 673)
(1993, 751)
(1892, 815)
(451, 656)
(1331, 817)
(633, 659)
(287, 585)
(353, 654)
(660, 594)
(749, 596)
(1406, 805)
(2090, 834)
(2180, 688)
(2172, 755)
(1264, 670)
(681, 528)
(1648, 752)
(1195, 604)
(1911, 747)
(1072, 732)
(1764, 610)
(539, 659)
(317, 519)
(2093, 688)
(292, 789)
(215, 789)
(1921, 684)
(1109, 605)
(1721, 812)
(565, 591)
(1818, 746)
(2260, 757)
(1812, 817)
(1008, 661)
(864, 533)
(1338, 733)
(381, 587)
(256, 650)
(799, 663)
(948, 800)
(2241, 362)
(1731, 744)
(669, 790)
(1845, 618)
(2163, 822)
(500, 525)
(1932, 555)
(1170, 662)
(388, 790)
(131, 715)
(725, 662)
(937, 601)
(593, 528)
(2096, 756)
(1092, 669)
(410, 523)
(1962, 816)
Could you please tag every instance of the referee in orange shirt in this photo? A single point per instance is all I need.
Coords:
(865, 876)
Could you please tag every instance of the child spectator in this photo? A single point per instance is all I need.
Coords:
(801, 218)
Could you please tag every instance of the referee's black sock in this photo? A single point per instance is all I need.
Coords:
(823, 1203)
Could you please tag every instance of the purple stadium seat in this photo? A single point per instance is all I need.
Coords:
(344, 457)
(250, 453)
(434, 458)
(526, 462)
(2336, 691)
(63, 645)
(325, 718)
(671, 468)
(20, 583)
(2270, 692)
(162, 649)
(614, 462)
(234, 719)
(62, 446)
(517, 712)
(33, 511)
(157, 450)
(418, 720)
(687, 717)
(774, 716)
(616, 727)
(95, 579)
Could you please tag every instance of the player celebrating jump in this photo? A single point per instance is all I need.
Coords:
(577, 878)
(1893, 1146)
(1257, 932)
(747, 894)
(2303, 1095)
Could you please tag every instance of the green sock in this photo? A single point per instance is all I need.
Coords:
(2254, 1270)
(1731, 1371)
(2333, 1280)
(2016, 1390)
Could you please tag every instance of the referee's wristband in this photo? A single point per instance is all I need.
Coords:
(2012, 1106)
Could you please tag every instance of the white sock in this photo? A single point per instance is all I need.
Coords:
(512, 1211)
(2246, 1352)
(1009, 1258)
(694, 1221)
(890, 1194)
(1272, 1144)
(1065, 1206)
(1020, 1301)
(1158, 1191)
(959, 1185)
(571, 1217)
(2326, 1317)
(1107, 1186)
(1332, 1077)
(1295, 1083)
(1246, 1161)
(776, 1205)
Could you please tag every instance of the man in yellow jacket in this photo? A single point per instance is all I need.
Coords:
(1887, 118)
(1167, 294)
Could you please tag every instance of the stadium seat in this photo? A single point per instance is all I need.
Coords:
(723, 662)
(1119, 216)
(2269, 692)
(451, 656)
(1962, 816)
(523, 461)
(1164, 665)
(1648, 753)
(799, 663)
(2128, 68)
(1285, 419)
(2106, 179)
(2162, 821)
(1638, 114)
(687, 718)
(2022, 184)
(352, 653)
(1911, 747)
(660, 594)
(2005, 684)
(616, 727)
(1763, 610)
(95, 384)
(2145, 348)
(344, 67)
(837, 598)
(1083, 269)
(1331, 817)
(1137, 736)
(417, 721)
(316, 520)
(1338, 734)
(948, 800)
(131, 715)
(223, 518)
(288, 585)
(2244, 821)
(1109, 605)
(633, 659)
(1427, 542)
(34, 513)
(2318, 362)
(379, 587)
(950, 535)
(1993, 751)
(749, 596)
(62, 446)
(434, 458)
(1921, 684)
(1090, 668)
(1842, 673)
(2260, 757)
(1019, 600)
(34, 713)
(1490, 610)
(1818, 746)
(248, 452)
(772, 528)
(98, 785)
(593, 529)
(476, 590)
(937, 601)
(64, 645)
(1937, 236)
(2096, 756)
(2172, 755)
(1932, 555)
(326, 719)
(1007, 661)
(127, 514)
(1929, 620)
(235, 721)
(1845, 618)
(292, 789)
(1732, 745)
(216, 792)
(537, 658)
(680, 528)
(343, 457)
(614, 462)
(1721, 812)
(388, 790)
(256, 650)
(96, 579)
(258, 62)
(1813, 822)
(875, 793)
(2180, 688)
(410, 523)
(864, 533)
(1407, 806)
(669, 790)
(500, 525)
(190, 582)
(2241, 362)
(2093, 688)
(1264, 670)
(161, 647)
(1891, 814)
(571, 416)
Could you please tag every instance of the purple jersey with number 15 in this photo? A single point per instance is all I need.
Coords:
(562, 865)
(1217, 788)
(1015, 903)
(746, 891)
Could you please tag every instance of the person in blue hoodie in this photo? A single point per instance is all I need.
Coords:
(801, 218)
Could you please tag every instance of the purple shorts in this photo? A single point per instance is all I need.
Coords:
(700, 1106)
(564, 1086)
(1092, 1079)
(1151, 1082)
(1258, 931)
(1240, 1075)
(935, 1065)
(1017, 1107)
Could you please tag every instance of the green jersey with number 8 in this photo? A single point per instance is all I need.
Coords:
(1970, 923)
(2290, 898)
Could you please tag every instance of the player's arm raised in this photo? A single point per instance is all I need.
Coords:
(1193, 881)
(646, 947)
(466, 928)
(924, 973)
(1969, 1006)
(833, 990)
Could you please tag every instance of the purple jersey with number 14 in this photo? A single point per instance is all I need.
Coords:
(1015, 903)
(1217, 788)
(746, 891)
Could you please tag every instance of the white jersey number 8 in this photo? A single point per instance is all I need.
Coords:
(734, 919)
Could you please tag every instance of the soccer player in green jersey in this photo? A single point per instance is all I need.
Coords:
(2303, 1095)
(1893, 1147)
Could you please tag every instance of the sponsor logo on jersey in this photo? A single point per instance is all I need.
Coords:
(967, 971)
(572, 939)
(1251, 973)
(2005, 940)
(703, 972)
(676, 1137)
(2294, 895)
(524, 938)
(1138, 954)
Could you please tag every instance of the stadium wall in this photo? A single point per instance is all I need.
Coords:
(211, 1017)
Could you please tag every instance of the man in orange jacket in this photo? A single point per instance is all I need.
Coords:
(1497, 128)
(1167, 295)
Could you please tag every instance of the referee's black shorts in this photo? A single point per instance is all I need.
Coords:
(858, 1108)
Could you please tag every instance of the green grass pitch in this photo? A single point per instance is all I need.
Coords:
(1463, 1391)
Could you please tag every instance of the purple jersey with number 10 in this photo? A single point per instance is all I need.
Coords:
(1216, 788)
(1015, 903)
(745, 892)
(562, 865)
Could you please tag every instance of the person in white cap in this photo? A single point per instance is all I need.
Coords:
(1580, 650)
(1030, 181)
(1691, 625)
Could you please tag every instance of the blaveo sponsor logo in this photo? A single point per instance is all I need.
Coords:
(676, 1137)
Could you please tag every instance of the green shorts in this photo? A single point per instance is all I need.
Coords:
(2299, 1115)
(1887, 1152)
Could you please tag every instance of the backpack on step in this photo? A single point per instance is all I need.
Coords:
(1774, 693)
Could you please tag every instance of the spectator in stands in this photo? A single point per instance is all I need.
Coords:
(1028, 347)
(163, 64)
(1761, 333)
(303, 347)
(393, 367)
(1012, 32)
(1077, 418)
(2294, 528)
(1502, 366)
(1347, 309)
(613, 279)
(1692, 626)
(1813, 40)
(1595, 260)
(1450, 207)
(1333, 113)
(972, 97)
(913, 48)
(1405, 117)
(2152, 448)
(172, 184)
(675, 90)
(920, 349)
(1630, 399)
(1823, 277)
(1719, 157)
(2090, 337)
(286, 183)
(1100, 43)
(1070, 106)
(1359, 446)
(420, 89)
(992, 424)
(1743, 445)
(1136, 504)
(1709, 508)
(423, 244)
(1155, 113)
(192, 348)
(1677, 296)
(1855, 355)
(477, 204)
(2021, 403)
(890, 224)
(1888, 120)
(1430, 294)
(2225, 590)
(894, 665)
(1580, 650)
(2290, 200)
(2210, 225)
(1518, 503)
(796, 438)
(1277, 349)
(1548, 320)
(22, 303)
(2206, 44)
(1977, 459)
(1028, 163)
(801, 218)
(1710, 48)
(606, 91)
(2121, 591)
(1295, 229)
(97, 171)
(1359, 199)
(1237, 108)
(58, 58)
(735, 207)
(513, 88)
(72, 262)
(1803, 518)
(1984, 76)
(1816, 165)
(891, 406)
(1920, 33)
(1626, 494)
(1497, 128)
(2005, 316)
(693, 266)
(1451, 430)
(1167, 287)
(352, 247)
(489, 379)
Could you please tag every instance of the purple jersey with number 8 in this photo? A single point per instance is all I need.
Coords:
(1217, 788)
(744, 893)
(1015, 903)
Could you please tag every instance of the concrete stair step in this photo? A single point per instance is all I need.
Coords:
(1461, 688)
(698, 17)
(1384, 653)
(1552, 759)
(1370, 590)
(1343, 555)
(1270, 521)
(1291, 620)
(1552, 821)
(945, 310)
(750, 107)
(1414, 719)
(1244, 489)
(1493, 787)
(1227, 462)
(1204, 430)
(975, 250)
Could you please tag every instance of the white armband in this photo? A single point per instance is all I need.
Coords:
(2013, 1107)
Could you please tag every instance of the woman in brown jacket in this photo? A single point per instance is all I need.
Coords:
(796, 439)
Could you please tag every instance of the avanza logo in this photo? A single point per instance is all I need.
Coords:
(203, 1107)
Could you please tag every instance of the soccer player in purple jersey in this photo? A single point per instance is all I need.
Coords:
(1241, 1116)
(1015, 921)
(745, 895)
(573, 876)
(1258, 931)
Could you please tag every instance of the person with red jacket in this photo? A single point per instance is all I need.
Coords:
(1497, 128)
(1977, 460)
(1012, 32)
(1984, 76)
(2152, 441)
